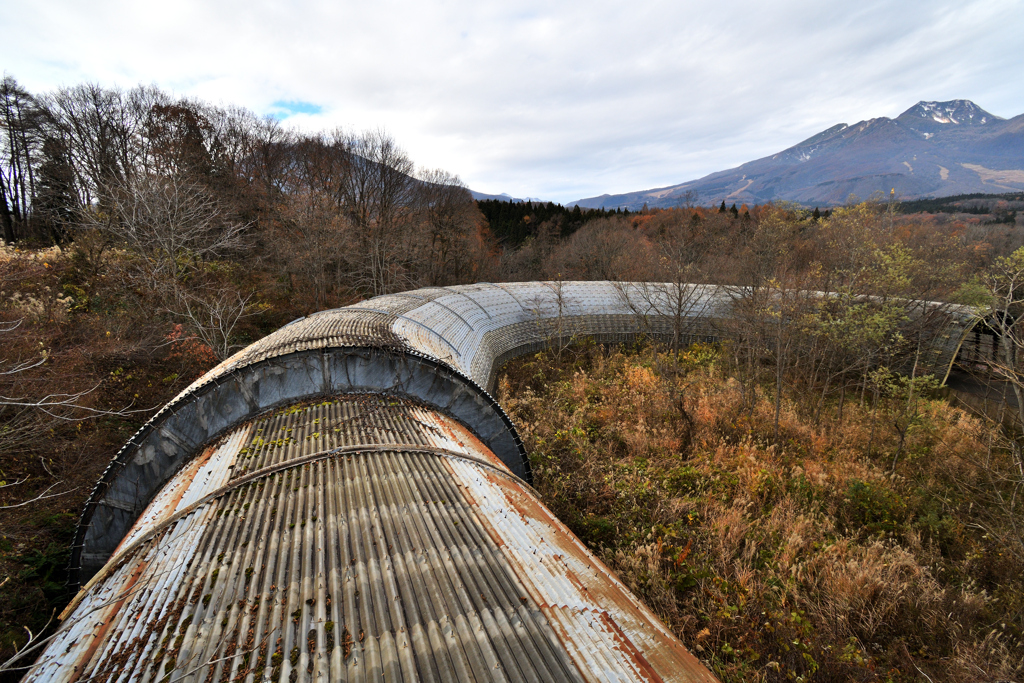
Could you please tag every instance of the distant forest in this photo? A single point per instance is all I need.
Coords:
(512, 222)
(1002, 208)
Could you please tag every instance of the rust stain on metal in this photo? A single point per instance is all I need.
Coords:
(552, 551)
(416, 529)
(626, 645)
(566, 638)
(165, 505)
(98, 636)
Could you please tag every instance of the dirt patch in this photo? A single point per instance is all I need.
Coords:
(1012, 179)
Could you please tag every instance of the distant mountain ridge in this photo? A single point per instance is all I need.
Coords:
(504, 197)
(934, 149)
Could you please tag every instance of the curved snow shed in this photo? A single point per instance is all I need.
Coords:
(344, 500)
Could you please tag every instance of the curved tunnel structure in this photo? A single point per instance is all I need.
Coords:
(344, 500)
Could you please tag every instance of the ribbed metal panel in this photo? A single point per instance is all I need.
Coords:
(448, 324)
(471, 330)
(356, 539)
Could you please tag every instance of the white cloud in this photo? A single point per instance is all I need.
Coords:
(550, 99)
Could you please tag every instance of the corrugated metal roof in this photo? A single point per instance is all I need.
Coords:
(163, 445)
(360, 538)
(452, 323)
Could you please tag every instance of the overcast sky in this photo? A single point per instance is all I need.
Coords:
(549, 99)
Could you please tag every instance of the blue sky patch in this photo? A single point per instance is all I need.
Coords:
(283, 109)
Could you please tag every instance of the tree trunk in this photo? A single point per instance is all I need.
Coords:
(5, 215)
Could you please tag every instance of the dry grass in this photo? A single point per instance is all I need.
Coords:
(801, 559)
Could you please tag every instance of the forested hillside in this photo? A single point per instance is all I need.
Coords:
(512, 222)
(800, 502)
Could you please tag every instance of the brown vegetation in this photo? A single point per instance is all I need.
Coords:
(797, 555)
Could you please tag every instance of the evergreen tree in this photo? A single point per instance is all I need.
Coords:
(721, 209)
(817, 214)
(734, 211)
(56, 199)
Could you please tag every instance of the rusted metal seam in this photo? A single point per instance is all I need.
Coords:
(113, 562)
(407, 318)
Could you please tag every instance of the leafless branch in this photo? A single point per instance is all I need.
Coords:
(42, 461)
(42, 496)
(11, 325)
(33, 642)
(215, 316)
(20, 366)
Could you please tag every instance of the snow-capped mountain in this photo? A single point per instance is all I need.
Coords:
(960, 112)
(928, 118)
(932, 149)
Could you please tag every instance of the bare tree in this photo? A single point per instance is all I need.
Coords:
(561, 330)
(315, 237)
(449, 217)
(214, 316)
(170, 224)
(179, 140)
(603, 249)
(315, 245)
(98, 128)
(377, 196)
(172, 227)
(679, 260)
(1004, 285)
(19, 118)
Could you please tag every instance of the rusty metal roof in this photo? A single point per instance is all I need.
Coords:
(357, 538)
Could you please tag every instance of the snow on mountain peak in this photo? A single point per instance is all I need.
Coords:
(954, 111)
